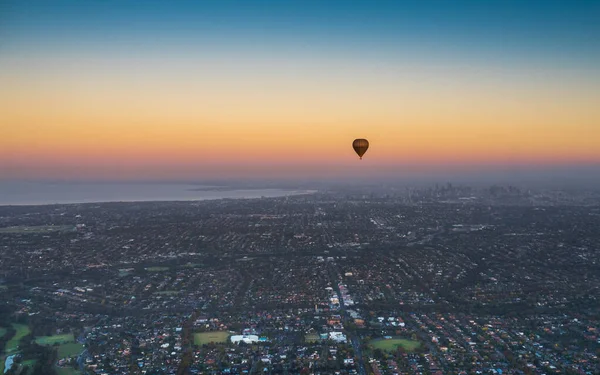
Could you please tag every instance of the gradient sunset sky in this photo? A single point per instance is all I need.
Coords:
(203, 89)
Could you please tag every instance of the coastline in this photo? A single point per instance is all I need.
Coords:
(56, 194)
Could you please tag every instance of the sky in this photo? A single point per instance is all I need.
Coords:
(171, 90)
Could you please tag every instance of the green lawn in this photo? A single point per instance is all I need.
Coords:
(67, 348)
(2, 331)
(312, 337)
(208, 337)
(13, 344)
(51, 340)
(71, 349)
(192, 265)
(393, 343)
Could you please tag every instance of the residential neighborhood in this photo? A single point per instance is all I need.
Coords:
(327, 283)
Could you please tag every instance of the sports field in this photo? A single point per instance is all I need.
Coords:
(51, 340)
(208, 337)
(71, 349)
(192, 265)
(13, 344)
(67, 348)
(393, 343)
(312, 337)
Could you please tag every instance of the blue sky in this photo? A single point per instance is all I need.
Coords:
(447, 84)
(543, 29)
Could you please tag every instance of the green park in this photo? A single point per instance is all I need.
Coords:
(218, 337)
(13, 344)
(67, 347)
(392, 344)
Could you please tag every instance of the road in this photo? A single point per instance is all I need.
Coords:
(354, 339)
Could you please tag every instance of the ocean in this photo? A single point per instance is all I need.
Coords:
(33, 193)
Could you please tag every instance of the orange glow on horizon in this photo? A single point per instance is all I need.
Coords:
(169, 123)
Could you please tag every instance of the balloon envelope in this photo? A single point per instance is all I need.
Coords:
(360, 146)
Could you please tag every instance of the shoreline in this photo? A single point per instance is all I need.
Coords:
(280, 193)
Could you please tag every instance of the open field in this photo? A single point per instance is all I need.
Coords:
(393, 343)
(312, 337)
(192, 265)
(13, 344)
(36, 229)
(208, 337)
(67, 348)
(71, 349)
(157, 269)
(51, 340)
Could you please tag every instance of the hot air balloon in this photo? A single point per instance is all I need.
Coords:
(360, 146)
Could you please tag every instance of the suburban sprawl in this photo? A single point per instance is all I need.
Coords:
(438, 280)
